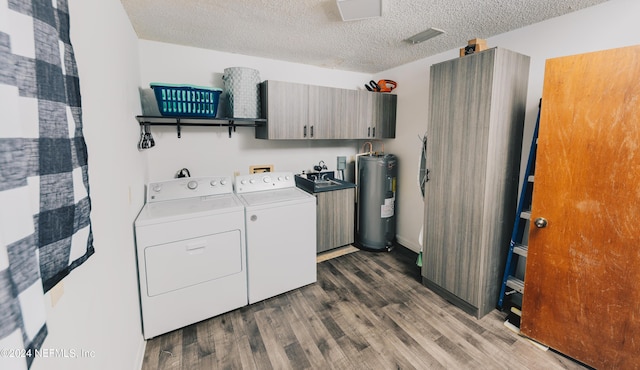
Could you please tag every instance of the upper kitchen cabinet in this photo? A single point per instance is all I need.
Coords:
(476, 118)
(287, 110)
(376, 116)
(298, 111)
(331, 112)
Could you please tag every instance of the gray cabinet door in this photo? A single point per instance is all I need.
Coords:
(368, 111)
(346, 113)
(331, 111)
(474, 139)
(321, 120)
(287, 111)
(335, 218)
(376, 116)
(386, 125)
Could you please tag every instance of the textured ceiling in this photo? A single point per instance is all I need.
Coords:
(312, 32)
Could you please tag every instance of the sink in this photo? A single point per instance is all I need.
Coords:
(324, 183)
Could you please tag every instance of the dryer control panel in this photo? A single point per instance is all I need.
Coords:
(264, 181)
(188, 187)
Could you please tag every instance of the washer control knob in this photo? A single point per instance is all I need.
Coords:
(223, 182)
(266, 179)
(214, 182)
(253, 181)
(157, 188)
(192, 184)
(243, 182)
(287, 177)
(279, 178)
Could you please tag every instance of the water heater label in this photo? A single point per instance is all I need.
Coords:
(388, 208)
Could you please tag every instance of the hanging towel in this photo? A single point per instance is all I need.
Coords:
(45, 230)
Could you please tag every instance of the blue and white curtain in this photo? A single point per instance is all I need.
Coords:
(45, 230)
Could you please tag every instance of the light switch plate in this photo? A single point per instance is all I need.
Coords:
(342, 163)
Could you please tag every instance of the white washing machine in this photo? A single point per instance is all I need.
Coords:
(191, 252)
(281, 233)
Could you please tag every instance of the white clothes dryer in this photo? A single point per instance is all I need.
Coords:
(191, 253)
(281, 233)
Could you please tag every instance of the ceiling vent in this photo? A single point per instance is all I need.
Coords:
(424, 36)
(352, 10)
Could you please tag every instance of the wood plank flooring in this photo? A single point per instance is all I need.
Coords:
(367, 311)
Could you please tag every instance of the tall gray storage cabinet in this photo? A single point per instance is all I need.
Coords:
(474, 144)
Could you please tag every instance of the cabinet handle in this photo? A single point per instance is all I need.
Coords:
(368, 131)
(374, 132)
(311, 130)
(304, 132)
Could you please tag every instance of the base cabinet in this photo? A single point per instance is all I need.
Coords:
(335, 218)
(474, 145)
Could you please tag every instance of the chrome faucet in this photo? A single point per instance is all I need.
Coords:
(320, 166)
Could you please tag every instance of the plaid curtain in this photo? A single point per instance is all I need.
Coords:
(45, 230)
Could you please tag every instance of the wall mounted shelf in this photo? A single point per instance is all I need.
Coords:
(231, 123)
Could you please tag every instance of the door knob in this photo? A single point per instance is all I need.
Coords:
(540, 222)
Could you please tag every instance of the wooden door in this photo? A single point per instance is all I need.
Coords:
(582, 285)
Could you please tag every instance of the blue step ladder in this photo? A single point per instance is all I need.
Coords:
(517, 250)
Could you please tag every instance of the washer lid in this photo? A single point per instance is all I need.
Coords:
(187, 208)
(274, 196)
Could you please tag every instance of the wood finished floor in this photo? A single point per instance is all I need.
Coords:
(367, 311)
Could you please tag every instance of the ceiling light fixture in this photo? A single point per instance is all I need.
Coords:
(424, 36)
(352, 10)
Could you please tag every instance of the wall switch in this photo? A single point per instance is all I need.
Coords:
(342, 163)
(56, 293)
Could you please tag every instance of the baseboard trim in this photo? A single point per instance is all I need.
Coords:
(452, 298)
(337, 252)
(408, 243)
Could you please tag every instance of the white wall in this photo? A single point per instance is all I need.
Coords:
(99, 309)
(605, 26)
(210, 151)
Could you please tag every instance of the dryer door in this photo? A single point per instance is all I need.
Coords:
(184, 263)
